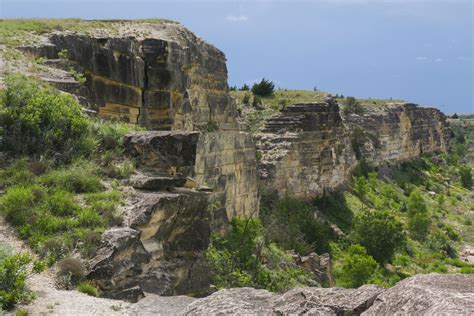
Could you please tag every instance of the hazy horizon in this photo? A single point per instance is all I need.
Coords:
(417, 50)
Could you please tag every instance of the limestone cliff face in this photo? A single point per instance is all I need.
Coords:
(310, 149)
(305, 150)
(400, 131)
(163, 77)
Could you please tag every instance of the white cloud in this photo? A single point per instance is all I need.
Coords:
(236, 18)
(464, 58)
(438, 60)
(421, 58)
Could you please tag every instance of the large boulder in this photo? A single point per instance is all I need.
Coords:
(432, 294)
(306, 300)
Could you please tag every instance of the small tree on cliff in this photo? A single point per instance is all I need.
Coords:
(264, 88)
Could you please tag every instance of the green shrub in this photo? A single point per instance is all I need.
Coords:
(379, 233)
(360, 186)
(17, 173)
(79, 177)
(264, 88)
(291, 224)
(466, 177)
(335, 209)
(357, 268)
(241, 258)
(13, 275)
(17, 204)
(418, 217)
(36, 119)
(88, 288)
(467, 270)
(439, 241)
(21, 312)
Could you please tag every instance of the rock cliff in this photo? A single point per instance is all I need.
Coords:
(310, 149)
(197, 166)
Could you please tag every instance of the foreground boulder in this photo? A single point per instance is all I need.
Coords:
(431, 294)
(306, 300)
(420, 295)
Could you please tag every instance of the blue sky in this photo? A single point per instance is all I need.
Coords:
(418, 50)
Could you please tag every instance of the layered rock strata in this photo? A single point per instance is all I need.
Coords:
(163, 77)
(167, 223)
(400, 131)
(310, 149)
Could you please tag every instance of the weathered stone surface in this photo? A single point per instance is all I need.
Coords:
(156, 183)
(238, 301)
(159, 250)
(306, 300)
(163, 150)
(319, 266)
(307, 150)
(432, 294)
(170, 69)
(400, 131)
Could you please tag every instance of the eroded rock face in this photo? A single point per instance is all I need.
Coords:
(400, 131)
(166, 79)
(433, 294)
(308, 149)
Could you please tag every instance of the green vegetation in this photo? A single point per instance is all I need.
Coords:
(14, 272)
(413, 219)
(88, 288)
(244, 258)
(63, 194)
(380, 233)
(36, 119)
(356, 268)
(264, 88)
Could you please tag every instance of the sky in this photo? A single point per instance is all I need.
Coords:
(417, 50)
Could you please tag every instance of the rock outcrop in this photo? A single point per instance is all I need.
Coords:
(163, 77)
(420, 295)
(312, 301)
(310, 149)
(433, 294)
(305, 151)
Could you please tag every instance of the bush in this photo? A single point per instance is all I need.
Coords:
(13, 275)
(439, 241)
(357, 268)
(418, 217)
(466, 177)
(291, 224)
(87, 288)
(71, 270)
(37, 119)
(264, 88)
(241, 258)
(379, 233)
